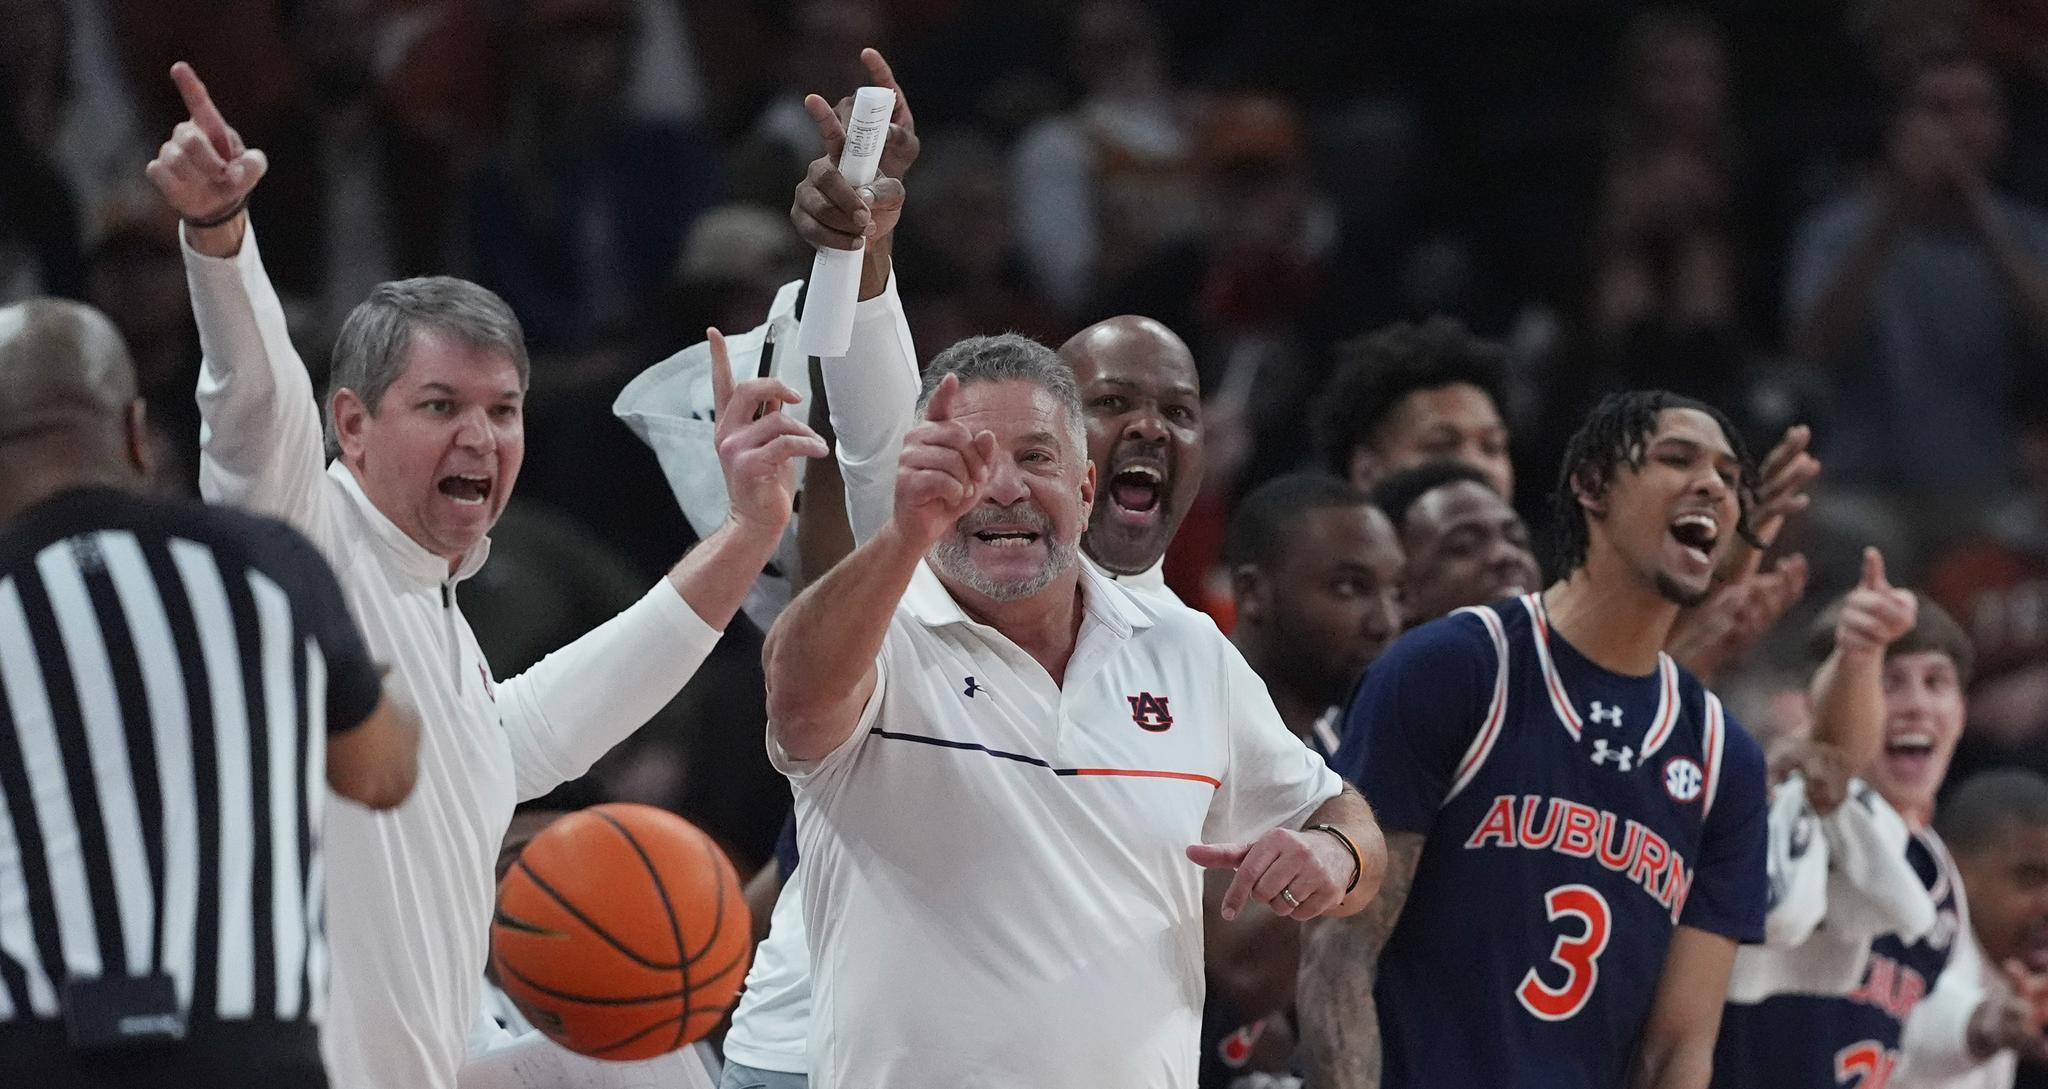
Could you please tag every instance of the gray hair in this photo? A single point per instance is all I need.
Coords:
(371, 349)
(1011, 357)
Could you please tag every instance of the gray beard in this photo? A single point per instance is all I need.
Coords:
(950, 557)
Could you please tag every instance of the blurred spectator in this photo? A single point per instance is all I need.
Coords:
(97, 142)
(1102, 187)
(246, 48)
(578, 216)
(736, 257)
(39, 213)
(970, 274)
(818, 51)
(1251, 286)
(1413, 393)
(1666, 287)
(1996, 584)
(402, 95)
(1926, 293)
(135, 274)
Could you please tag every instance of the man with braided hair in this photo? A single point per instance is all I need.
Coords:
(1573, 821)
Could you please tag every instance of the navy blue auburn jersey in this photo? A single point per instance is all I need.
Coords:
(1572, 818)
(1846, 1040)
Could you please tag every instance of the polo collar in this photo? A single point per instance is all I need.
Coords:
(1102, 598)
(407, 557)
(1151, 580)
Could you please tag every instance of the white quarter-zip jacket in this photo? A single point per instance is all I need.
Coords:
(410, 891)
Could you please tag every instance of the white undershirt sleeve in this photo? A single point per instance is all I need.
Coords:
(572, 706)
(872, 392)
(260, 435)
(1934, 1048)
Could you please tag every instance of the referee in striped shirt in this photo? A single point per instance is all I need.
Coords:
(175, 683)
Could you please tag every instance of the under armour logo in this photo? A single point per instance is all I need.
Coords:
(1150, 712)
(1605, 714)
(1624, 756)
(973, 686)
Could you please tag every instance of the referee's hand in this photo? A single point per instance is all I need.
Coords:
(944, 469)
(1297, 874)
(758, 444)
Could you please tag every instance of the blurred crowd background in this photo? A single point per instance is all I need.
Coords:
(1617, 195)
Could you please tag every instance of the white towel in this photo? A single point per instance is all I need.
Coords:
(671, 408)
(1837, 883)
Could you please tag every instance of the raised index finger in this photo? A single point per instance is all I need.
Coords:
(940, 407)
(200, 105)
(884, 76)
(721, 372)
(831, 130)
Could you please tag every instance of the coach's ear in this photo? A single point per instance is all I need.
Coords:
(350, 417)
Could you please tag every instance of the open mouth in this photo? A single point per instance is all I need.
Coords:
(1909, 745)
(1697, 534)
(1137, 489)
(468, 489)
(1006, 538)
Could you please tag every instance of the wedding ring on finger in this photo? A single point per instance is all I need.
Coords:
(1288, 895)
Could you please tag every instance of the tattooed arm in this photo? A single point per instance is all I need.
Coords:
(1340, 1027)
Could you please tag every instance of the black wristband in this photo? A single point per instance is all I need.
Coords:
(1357, 862)
(232, 211)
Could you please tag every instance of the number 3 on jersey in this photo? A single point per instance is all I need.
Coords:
(1579, 954)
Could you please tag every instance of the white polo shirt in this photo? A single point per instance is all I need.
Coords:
(994, 867)
(771, 1029)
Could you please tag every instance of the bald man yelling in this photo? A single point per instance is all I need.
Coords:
(1144, 409)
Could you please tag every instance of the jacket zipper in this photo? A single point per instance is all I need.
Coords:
(448, 630)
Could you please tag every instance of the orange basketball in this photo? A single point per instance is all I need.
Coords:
(621, 932)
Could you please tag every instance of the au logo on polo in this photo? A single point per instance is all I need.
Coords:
(1150, 712)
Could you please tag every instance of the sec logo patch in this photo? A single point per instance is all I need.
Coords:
(1683, 780)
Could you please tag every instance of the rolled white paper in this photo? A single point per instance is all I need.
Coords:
(827, 326)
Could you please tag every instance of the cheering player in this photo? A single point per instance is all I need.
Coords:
(1575, 826)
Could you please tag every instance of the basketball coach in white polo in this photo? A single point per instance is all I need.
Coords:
(1008, 769)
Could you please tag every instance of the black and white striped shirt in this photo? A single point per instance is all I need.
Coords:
(169, 674)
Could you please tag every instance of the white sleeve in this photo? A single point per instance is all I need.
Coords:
(1273, 779)
(533, 1061)
(1934, 1049)
(260, 437)
(872, 392)
(572, 706)
(1796, 856)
